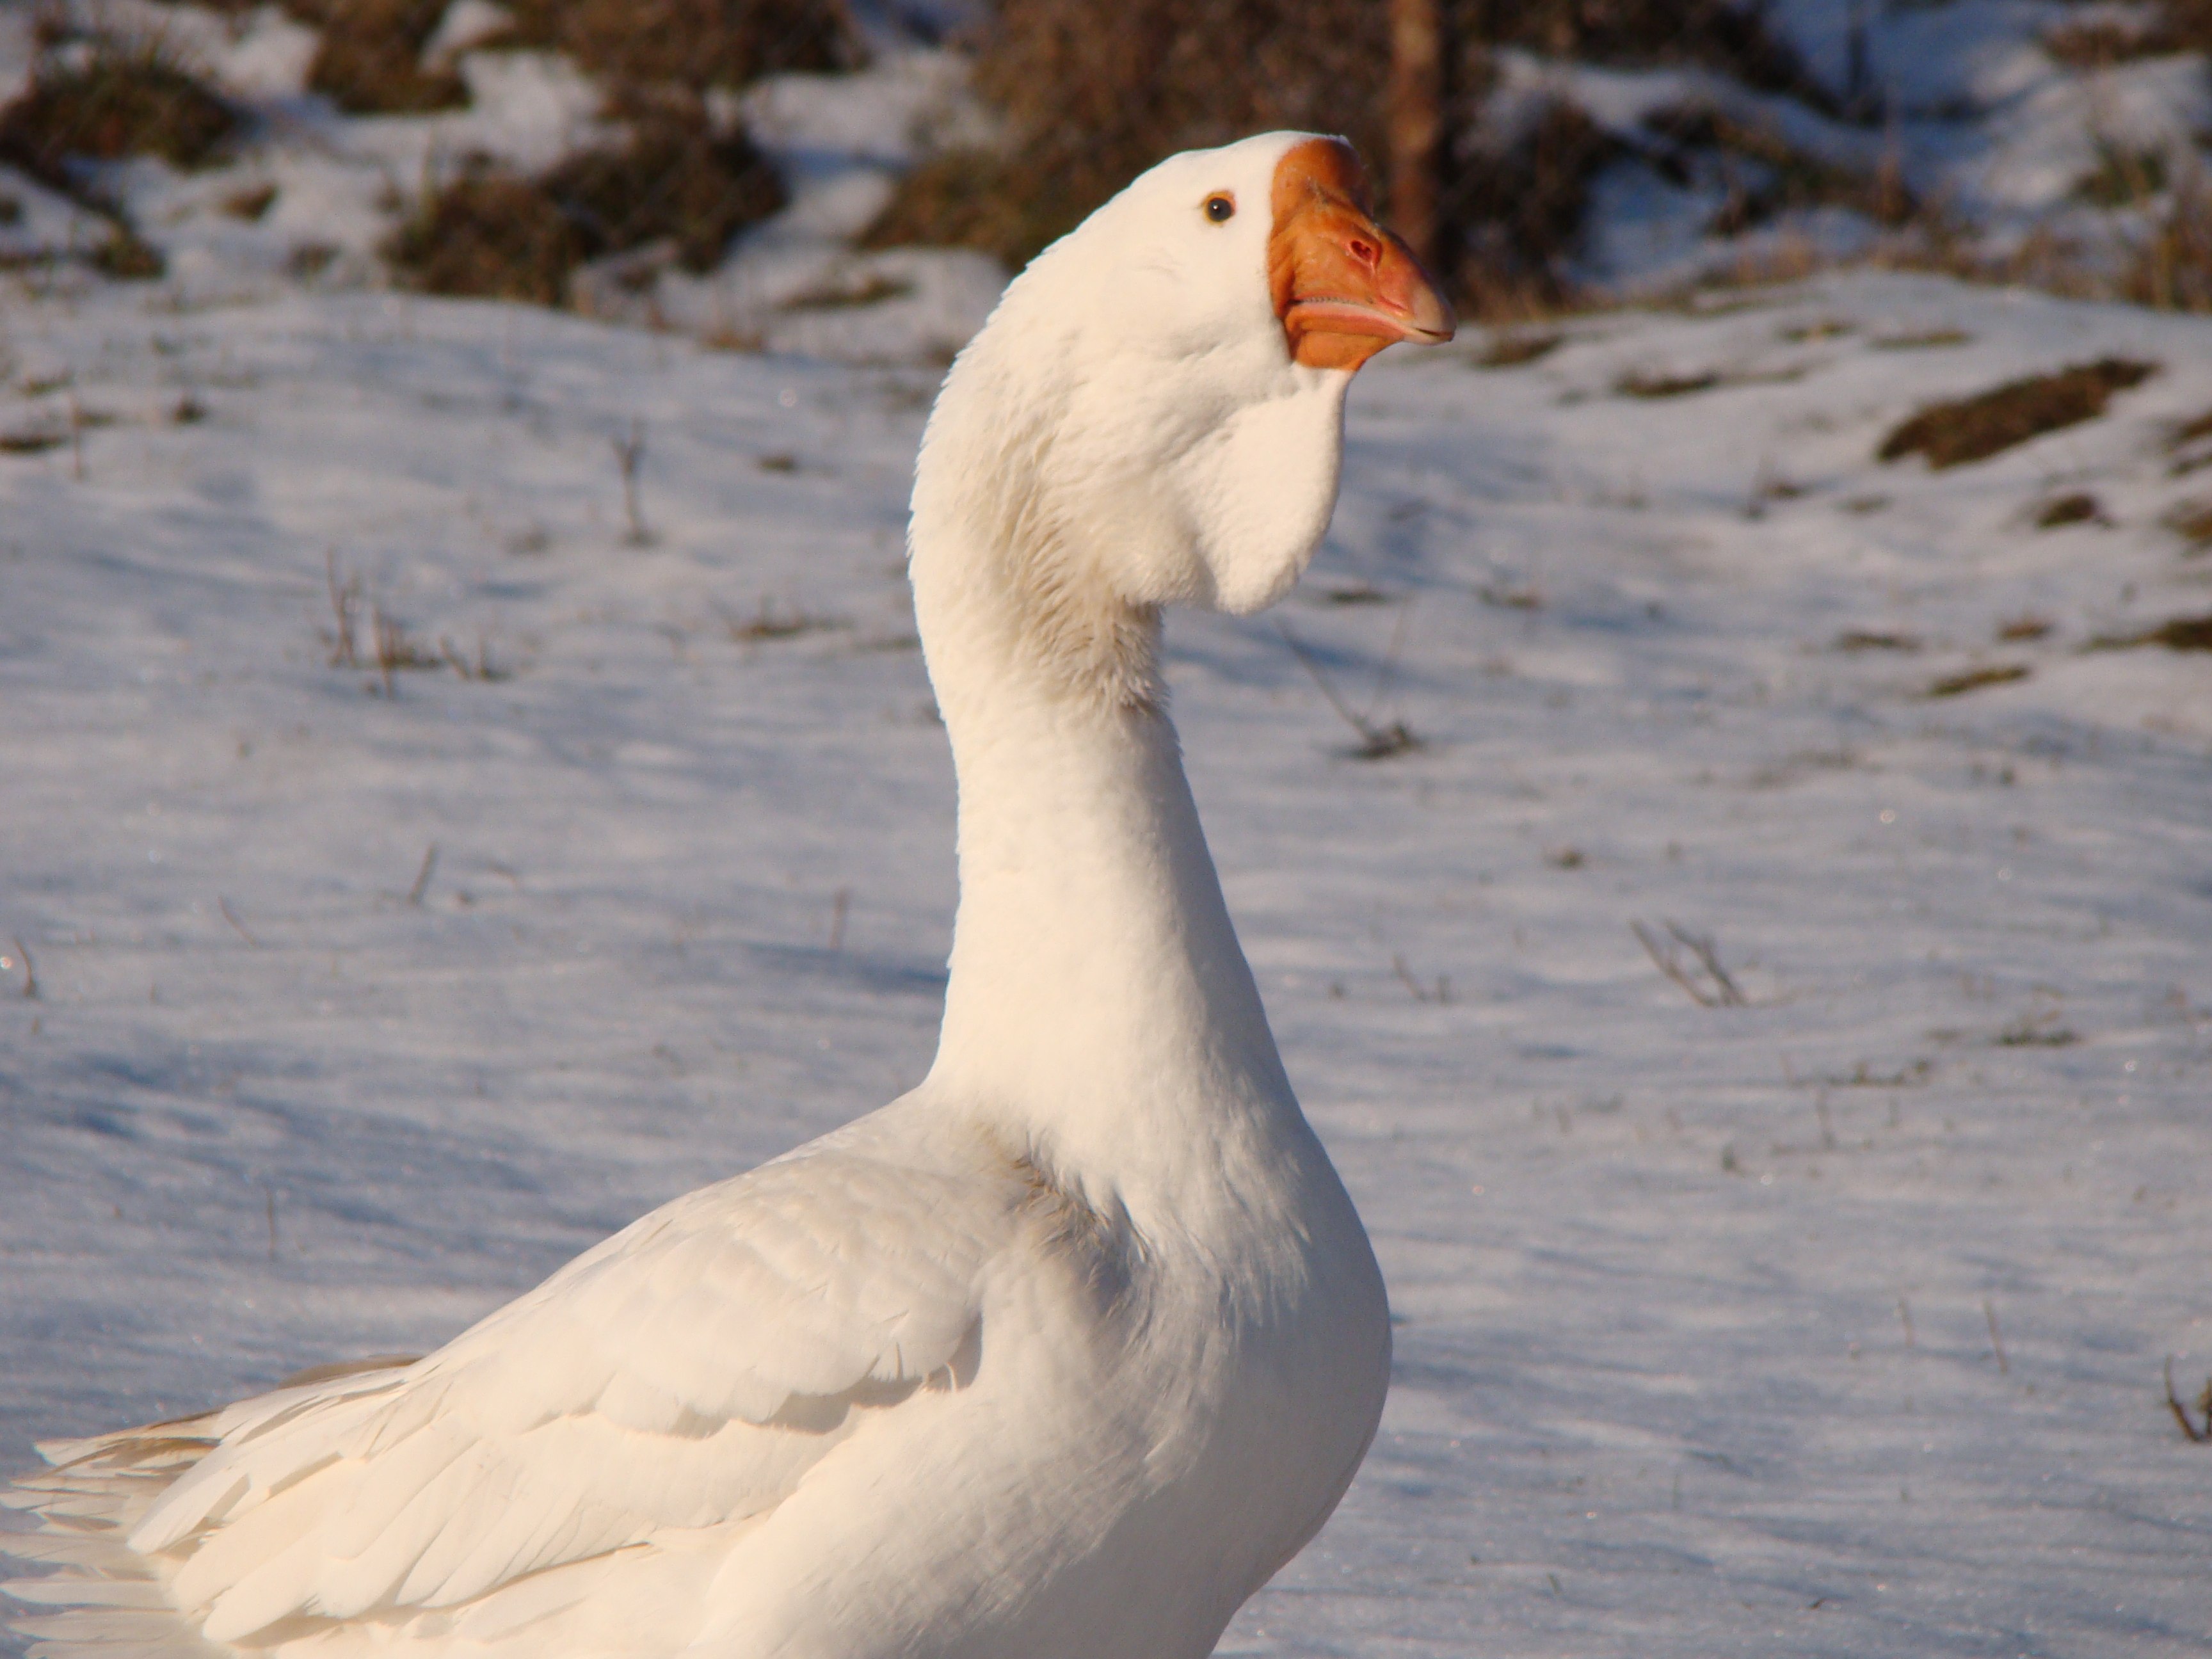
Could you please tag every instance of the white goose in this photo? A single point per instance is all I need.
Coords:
(1061, 1354)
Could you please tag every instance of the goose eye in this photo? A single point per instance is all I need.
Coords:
(1220, 206)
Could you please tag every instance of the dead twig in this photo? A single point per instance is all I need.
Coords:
(1376, 742)
(30, 970)
(1996, 1337)
(1441, 992)
(1716, 990)
(2196, 1435)
(630, 456)
(483, 668)
(422, 875)
(231, 917)
(838, 908)
(345, 608)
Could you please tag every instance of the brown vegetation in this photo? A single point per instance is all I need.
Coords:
(1952, 434)
(1792, 181)
(1510, 347)
(2192, 522)
(119, 101)
(2176, 634)
(1520, 212)
(491, 234)
(2079, 507)
(1718, 34)
(494, 234)
(1641, 383)
(2172, 270)
(1975, 679)
(370, 59)
(1092, 95)
(2101, 42)
(693, 43)
(675, 178)
(2181, 634)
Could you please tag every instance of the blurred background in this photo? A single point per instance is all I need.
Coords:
(857, 179)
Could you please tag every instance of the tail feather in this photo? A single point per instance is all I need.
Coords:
(100, 1599)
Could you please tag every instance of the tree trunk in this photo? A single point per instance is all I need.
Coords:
(1417, 94)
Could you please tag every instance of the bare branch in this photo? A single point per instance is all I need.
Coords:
(231, 917)
(2181, 1413)
(1716, 990)
(1701, 946)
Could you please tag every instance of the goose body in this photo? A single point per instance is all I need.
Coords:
(1064, 1352)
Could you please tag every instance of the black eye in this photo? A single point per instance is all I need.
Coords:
(1220, 206)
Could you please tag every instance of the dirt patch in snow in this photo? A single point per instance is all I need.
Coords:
(1956, 432)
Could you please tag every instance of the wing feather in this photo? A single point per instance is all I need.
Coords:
(683, 1375)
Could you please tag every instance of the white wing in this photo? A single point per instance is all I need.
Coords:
(685, 1374)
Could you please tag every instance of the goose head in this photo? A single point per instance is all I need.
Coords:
(1153, 413)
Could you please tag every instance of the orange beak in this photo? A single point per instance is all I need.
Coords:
(1344, 287)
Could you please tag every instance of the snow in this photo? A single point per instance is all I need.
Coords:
(1830, 1323)
(1833, 1323)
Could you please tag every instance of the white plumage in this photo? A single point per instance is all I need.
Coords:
(1065, 1352)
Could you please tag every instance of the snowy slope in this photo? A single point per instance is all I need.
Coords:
(1701, 1307)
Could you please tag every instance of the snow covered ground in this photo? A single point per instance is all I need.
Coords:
(1832, 1323)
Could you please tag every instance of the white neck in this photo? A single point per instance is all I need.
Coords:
(1098, 1000)
(1099, 1007)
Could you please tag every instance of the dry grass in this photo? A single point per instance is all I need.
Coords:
(1930, 340)
(2171, 268)
(1512, 347)
(1954, 433)
(2176, 634)
(1715, 33)
(676, 179)
(1957, 685)
(2197, 426)
(1092, 95)
(1521, 213)
(2079, 507)
(2192, 522)
(2101, 42)
(370, 58)
(120, 101)
(1855, 639)
(691, 43)
(128, 256)
(2121, 177)
(250, 204)
(1641, 383)
(1792, 179)
(490, 234)
(494, 234)
(114, 99)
